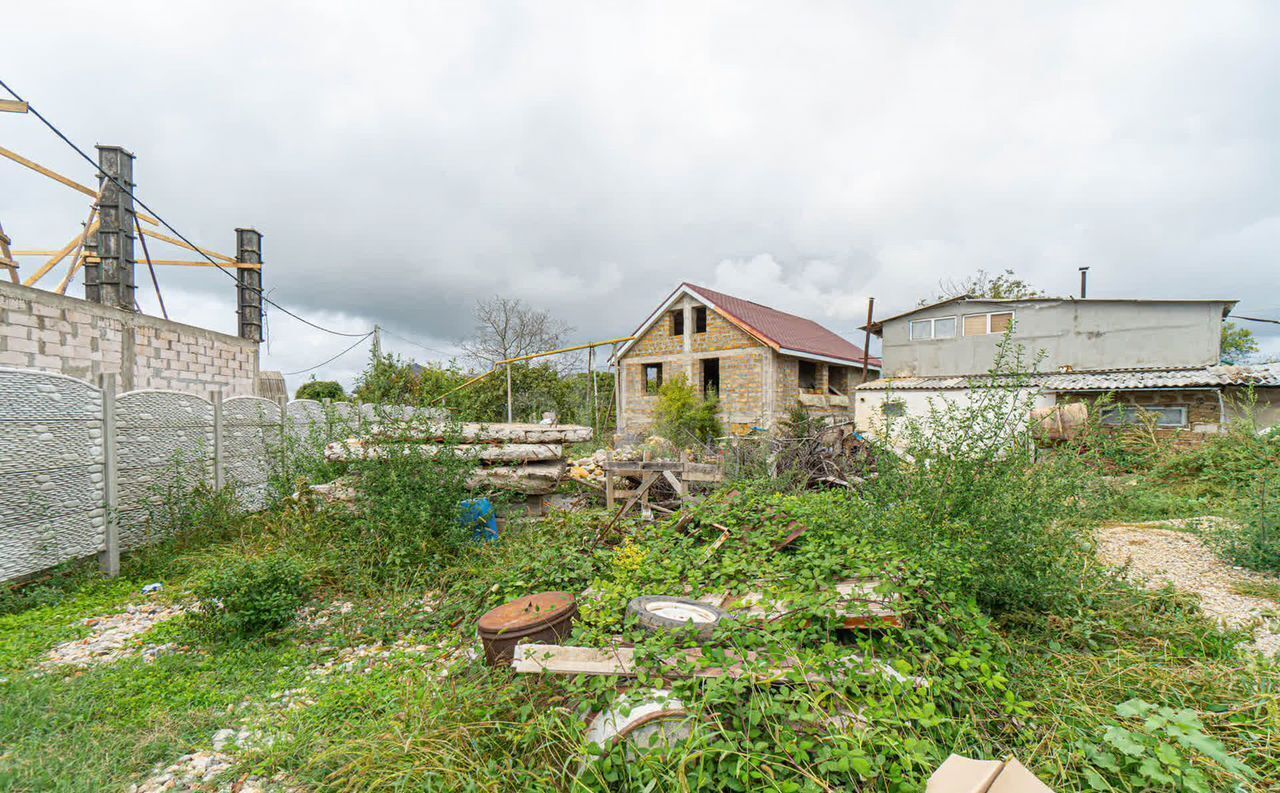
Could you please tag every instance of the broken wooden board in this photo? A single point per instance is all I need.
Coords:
(621, 662)
(533, 479)
(858, 603)
(351, 449)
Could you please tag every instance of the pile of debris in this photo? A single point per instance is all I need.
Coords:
(835, 455)
(590, 470)
(519, 458)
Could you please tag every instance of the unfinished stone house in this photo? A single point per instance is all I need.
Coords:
(761, 362)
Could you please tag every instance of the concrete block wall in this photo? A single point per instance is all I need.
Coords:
(55, 333)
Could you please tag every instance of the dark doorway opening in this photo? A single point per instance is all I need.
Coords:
(710, 376)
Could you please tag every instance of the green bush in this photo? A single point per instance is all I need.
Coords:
(1155, 752)
(971, 473)
(1255, 542)
(406, 523)
(320, 390)
(684, 415)
(249, 597)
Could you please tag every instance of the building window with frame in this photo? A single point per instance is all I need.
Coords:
(837, 380)
(939, 328)
(893, 408)
(1164, 416)
(700, 319)
(677, 322)
(987, 324)
(651, 374)
(808, 375)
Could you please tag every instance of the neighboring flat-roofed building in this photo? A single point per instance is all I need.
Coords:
(1158, 360)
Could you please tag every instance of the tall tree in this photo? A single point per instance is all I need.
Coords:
(508, 328)
(1237, 344)
(1001, 286)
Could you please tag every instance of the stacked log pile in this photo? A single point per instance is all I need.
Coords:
(521, 458)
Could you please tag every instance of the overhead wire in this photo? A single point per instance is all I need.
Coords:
(164, 222)
(359, 341)
(414, 343)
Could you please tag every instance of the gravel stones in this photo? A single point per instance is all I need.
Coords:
(1159, 556)
(113, 637)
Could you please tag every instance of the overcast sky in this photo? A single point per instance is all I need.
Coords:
(404, 159)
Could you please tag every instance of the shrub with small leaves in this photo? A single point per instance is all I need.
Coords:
(250, 597)
(1156, 752)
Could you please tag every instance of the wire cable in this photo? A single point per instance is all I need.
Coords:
(359, 341)
(162, 221)
(417, 344)
(1257, 319)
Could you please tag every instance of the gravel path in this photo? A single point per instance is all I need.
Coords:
(1160, 556)
(114, 637)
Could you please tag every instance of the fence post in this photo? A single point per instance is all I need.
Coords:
(109, 557)
(219, 474)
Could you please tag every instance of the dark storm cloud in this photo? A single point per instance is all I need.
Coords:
(405, 159)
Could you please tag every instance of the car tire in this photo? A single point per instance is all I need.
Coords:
(658, 613)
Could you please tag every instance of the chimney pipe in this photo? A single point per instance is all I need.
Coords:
(1084, 282)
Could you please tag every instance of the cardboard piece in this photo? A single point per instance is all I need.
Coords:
(966, 775)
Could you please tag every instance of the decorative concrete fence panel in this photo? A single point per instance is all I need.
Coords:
(86, 471)
(52, 499)
(164, 448)
(251, 439)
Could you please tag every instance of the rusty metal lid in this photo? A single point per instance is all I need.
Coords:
(528, 612)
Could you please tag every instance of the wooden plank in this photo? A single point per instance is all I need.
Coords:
(621, 662)
(12, 106)
(155, 235)
(187, 263)
(62, 254)
(6, 256)
(75, 258)
(57, 177)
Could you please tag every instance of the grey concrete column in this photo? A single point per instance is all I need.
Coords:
(249, 284)
(109, 556)
(110, 281)
(219, 470)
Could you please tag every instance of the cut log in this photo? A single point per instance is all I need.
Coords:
(487, 433)
(534, 479)
(348, 450)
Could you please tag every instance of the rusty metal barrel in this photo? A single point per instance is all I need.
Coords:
(544, 618)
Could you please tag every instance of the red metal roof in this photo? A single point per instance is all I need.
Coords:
(782, 330)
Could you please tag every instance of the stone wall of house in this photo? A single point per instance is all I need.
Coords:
(743, 365)
(66, 335)
(1204, 411)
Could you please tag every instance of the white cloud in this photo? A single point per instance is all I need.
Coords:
(406, 159)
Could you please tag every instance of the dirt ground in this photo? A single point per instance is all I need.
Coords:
(1159, 555)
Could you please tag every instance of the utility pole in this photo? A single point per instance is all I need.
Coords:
(249, 284)
(110, 280)
(509, 419)
(866, 339)
(595, 391)
(377, 342)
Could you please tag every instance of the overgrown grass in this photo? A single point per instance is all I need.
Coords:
(1027, 644)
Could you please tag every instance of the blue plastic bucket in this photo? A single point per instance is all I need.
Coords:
(479, 515)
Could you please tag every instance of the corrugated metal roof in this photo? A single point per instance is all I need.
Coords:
(1264, 375)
